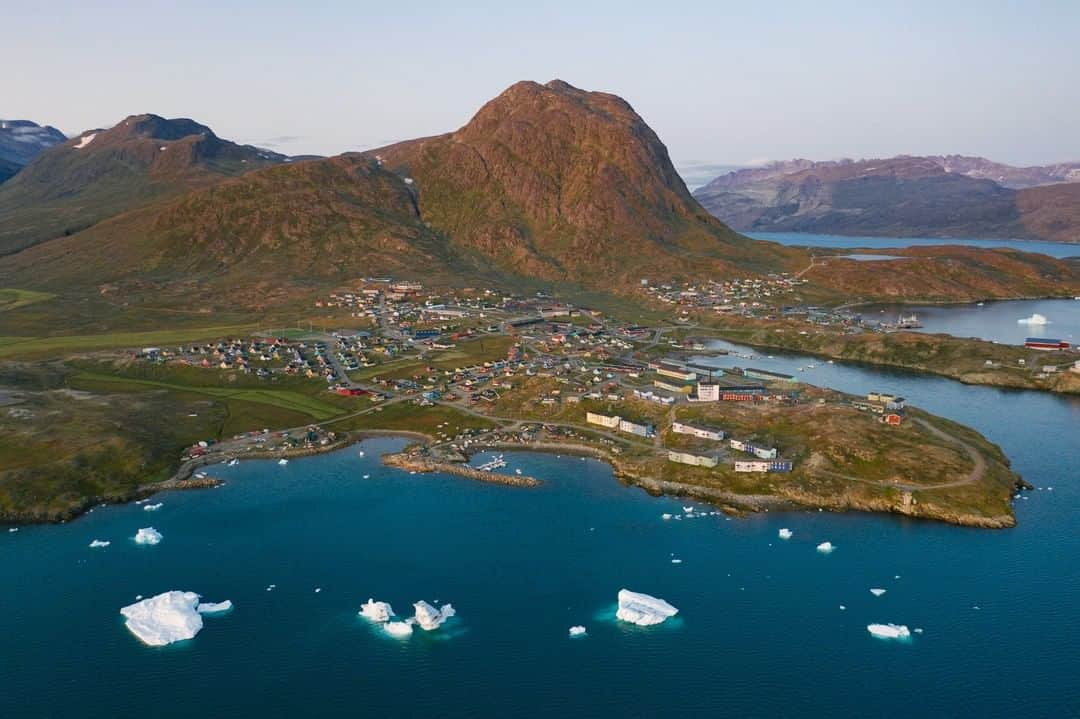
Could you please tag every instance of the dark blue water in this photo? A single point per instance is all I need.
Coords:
(994, 321)
(760, 632)
(806, 239)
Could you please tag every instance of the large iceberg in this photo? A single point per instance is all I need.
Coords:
(147, 535)
(214, 607)
(1035, 319)
(376, 611)
(428, 617)
(889, 631)
(642, 609)
(169, 617)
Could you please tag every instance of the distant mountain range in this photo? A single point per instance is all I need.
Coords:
(21, 141)
(929, 196)
(546, 185)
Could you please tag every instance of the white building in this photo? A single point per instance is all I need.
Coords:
(602, 419)
(716, 435)
(708, 392)
(696, 460)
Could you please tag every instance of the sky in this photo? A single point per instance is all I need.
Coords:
(722, 83)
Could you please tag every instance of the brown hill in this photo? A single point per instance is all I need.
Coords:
(552, 181)
(1051, 212)
(101, 173)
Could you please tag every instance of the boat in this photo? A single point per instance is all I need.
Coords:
(911, 322)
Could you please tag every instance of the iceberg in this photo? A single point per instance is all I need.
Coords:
(665, 516)
(1035, 319)
(166, 618)
(577, 631)
(826, 547)
(99, 543)
(398, 629)
(889, 631)
(429, 618)
(147, 535)
(642, 609)
(877, 592)
(785, 533)
(376, 611)
(214, 607)
(153, 507)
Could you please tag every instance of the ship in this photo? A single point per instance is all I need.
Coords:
(1045, 343)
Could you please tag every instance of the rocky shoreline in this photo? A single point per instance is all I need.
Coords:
(414, 462)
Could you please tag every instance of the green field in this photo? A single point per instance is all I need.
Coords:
(414, 418)
(11, 299)
(38, 347)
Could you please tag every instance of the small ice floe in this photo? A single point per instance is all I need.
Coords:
(877, 591)
(889, 631)
(688, 510)
(233, 462)
(785, 533)
(283, 461)
(1035, 319)
(94, 544)
(577, 631)
(318, 589)
(676, 561)
(360, 453)
(271, 587)
(367, 476)
(826, 547)
(642, 609)
(665, 516)
(12, 530)
(153, 507)
(398, 629)
(842, 607)
(517, 471)
(918, 630)
(430, 618)
(896, 576)
(163, 619)
(214, 607)
(376, 611)
(147, 535)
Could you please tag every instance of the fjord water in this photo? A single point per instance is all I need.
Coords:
(994, 321)
(760, 630)
(807, 239)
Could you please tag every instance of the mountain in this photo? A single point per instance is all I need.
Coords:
(70, 186)
(935, 196)
(21, 141)
(545, 185)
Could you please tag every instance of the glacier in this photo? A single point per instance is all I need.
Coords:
(163, 619)
(642, 609)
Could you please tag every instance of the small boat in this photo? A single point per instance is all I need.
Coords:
(283, 461)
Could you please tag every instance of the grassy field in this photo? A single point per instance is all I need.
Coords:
(414, 418)
(465, 354)
(13, 299)
(286, 399)
(59, 346)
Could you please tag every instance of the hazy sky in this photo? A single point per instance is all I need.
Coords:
(720, 82)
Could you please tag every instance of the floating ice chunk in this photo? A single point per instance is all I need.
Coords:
(918, 630)
(147, 535)
(577, 631)
(99, 543)
(283, 461)
(367, 476)
(398, 629)
(785, 533)
(1035, 319)
(642, 609)
(688, 510)
(842, 607)
(376, 611)
(166, 618)
(665, 516)
(12, 530)
(826, 547)
(153, 507)
(877, 591)
(214, 607)
(360, 453)
(318, 589)
(676, 561)
(429, 618)
(889, 631)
